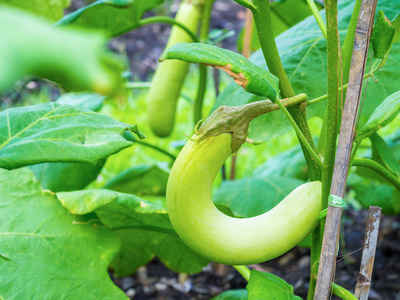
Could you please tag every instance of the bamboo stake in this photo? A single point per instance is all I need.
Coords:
(332, 228)
(368, 255)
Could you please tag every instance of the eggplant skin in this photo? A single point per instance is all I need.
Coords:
(224, 239)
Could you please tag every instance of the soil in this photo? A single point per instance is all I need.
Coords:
(155, 281)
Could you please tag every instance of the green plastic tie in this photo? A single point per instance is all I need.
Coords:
(335, 201)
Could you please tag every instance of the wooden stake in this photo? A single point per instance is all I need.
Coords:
(332, 228)
(368, 255)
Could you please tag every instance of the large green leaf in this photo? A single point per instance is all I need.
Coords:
(47, 253)
(60, 177)
(267, 286)
(86, 100)
(141, 180)
(385, 113)
(52, 132)
(75, 59)
(303, 53)
(113, 16)
(372, 192)
(290, 163)
(50, 9)
(252, 196)
(252, 78)
(286, 13)
(143, 228)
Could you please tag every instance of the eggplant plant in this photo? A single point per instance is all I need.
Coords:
(76, 203)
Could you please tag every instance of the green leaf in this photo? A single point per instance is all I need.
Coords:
(60, 177)
(303, 52)
(372, 192)
(77, 60)
(49, 9)
(385, 113)
(267, 286)
(141, 180)
(46, 252)
(382, 35)
(396, 201)
(143, 228)
(52, 132)
(240, 294)
(290, 163)
(286, 13)
(396, 24)
(252, 78)
(115, 17)
(252, 196)
(385, 153)
(86, 100)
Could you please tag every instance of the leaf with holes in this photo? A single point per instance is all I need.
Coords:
(246, 74)
(144, 229)
(52, 132)
(41, 242)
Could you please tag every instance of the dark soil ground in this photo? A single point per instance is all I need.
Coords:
(143, 47)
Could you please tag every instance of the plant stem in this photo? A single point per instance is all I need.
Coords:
(201, 90)
(378, 168)
(205, 20)
(341, 292)
(244, 271)
(310, 150)
(156, 148)
(329, 136)
(129, 136)
(162, 19)
(262, 19)
(198, 102)
(317, 16)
